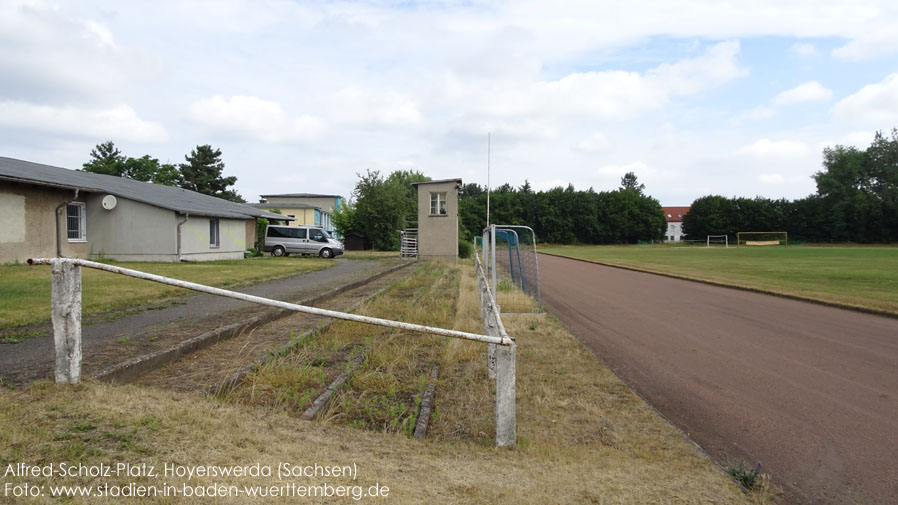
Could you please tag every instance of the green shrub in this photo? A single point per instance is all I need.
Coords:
(465, 249)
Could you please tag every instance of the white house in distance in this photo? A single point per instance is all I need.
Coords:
(48, 211)
(674, 217)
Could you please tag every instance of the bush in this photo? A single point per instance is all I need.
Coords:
(465, 249)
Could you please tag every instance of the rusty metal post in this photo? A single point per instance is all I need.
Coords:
(66, 317)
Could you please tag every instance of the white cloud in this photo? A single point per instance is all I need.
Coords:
(811, 91)
(637, 167)
(757, 114)
(876, 104)
(861, 140)
(593, 143)
(771, 178)
(867, 45)
(804, 50)
(120, 122)
(254, 118)
(358, 106)
(775, 149)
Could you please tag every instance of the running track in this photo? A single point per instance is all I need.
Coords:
(809, 391)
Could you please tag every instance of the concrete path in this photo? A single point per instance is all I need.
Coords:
(809, 391)
(34, 357)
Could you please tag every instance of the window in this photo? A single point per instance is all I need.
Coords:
(214, 233)
(669, 216)
(317, 235)
(438, 204)
(76, 222)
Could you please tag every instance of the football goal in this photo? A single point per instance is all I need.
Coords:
(761, 238)
(718, 240)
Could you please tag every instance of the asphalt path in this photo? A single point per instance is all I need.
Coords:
(809, 391)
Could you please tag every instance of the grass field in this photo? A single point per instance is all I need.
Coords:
(583, 436)
(856, 276)
(25, 290)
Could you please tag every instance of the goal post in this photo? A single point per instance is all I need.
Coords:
(762, 238)
(718, 239)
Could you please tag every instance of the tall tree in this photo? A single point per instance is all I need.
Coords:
(628, 181)
(149, 169)
(105, 159)
(202, 173)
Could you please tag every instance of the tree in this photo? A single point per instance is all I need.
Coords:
(149, 169)
(202, 173)
(628, 181)
(105, 159)
(344, 218)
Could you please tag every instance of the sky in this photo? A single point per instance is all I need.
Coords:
(696, 97)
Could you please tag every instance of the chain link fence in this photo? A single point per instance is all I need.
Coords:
(509, 253)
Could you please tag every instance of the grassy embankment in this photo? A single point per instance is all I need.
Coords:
(25, 290)
(865, 277)
(584, 437)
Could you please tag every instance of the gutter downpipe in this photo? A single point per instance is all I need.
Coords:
(186, 218)
(58, 208)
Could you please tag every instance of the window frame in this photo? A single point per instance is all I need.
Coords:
(214, 233)
(82, 222)
(437, 198)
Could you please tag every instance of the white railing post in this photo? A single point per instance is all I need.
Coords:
(506, 419)
(66, 317)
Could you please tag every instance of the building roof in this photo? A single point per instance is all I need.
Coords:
(180, 200)
(284, 205)
(457, 181)
(674, 214)
(300, 195)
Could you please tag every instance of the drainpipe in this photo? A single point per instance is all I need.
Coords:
(186, 217)
(58, 208)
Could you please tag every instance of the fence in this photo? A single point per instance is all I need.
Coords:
(510, 258)
(408, 243)
(66, 319)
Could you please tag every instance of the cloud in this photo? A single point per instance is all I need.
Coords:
(50, 55)
(875, 104)
(758, 113)
(593, 143)
(876, 41)
(811, 91)
(804, 50)
(775, 149)
(637, 167)
(357, 106)
(120, 122)
(771, 178)
(253, 118)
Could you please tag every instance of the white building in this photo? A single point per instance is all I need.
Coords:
(674, 217)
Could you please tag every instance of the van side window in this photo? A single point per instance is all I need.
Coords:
(316, 235)
(276, 232)
(296, 232)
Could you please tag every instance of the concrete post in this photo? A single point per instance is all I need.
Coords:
(493, 261)
(66, 317)
(506, 419)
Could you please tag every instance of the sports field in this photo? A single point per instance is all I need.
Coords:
(858, 276)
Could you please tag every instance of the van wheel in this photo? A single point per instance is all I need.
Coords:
(326, 253)
(278, 251)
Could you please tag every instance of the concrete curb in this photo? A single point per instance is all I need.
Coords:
(135, 367)
(787, 296)
(331, 390)
(427, 404)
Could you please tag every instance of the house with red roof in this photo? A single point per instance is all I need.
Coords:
(674, 217)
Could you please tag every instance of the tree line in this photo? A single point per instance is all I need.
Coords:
(856, 201)
(383, 205)
(202, 171)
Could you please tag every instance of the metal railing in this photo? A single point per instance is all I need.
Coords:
(66, 319)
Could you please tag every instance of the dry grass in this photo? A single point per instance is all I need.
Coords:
(583, 436)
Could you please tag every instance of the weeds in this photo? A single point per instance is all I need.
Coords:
(743, 473)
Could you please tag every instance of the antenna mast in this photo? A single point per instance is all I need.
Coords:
(488, 179)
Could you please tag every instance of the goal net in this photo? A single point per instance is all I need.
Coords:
(762, 238)
(718, 240)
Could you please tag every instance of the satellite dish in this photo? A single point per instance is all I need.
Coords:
(109, 202)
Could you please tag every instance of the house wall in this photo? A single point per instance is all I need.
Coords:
(304, 217)
(132, 231)
(250, 233)
(438, 234)
(195, 244)
(28, 223)
(674, 232)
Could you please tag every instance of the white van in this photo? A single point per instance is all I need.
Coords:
(283, 240)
